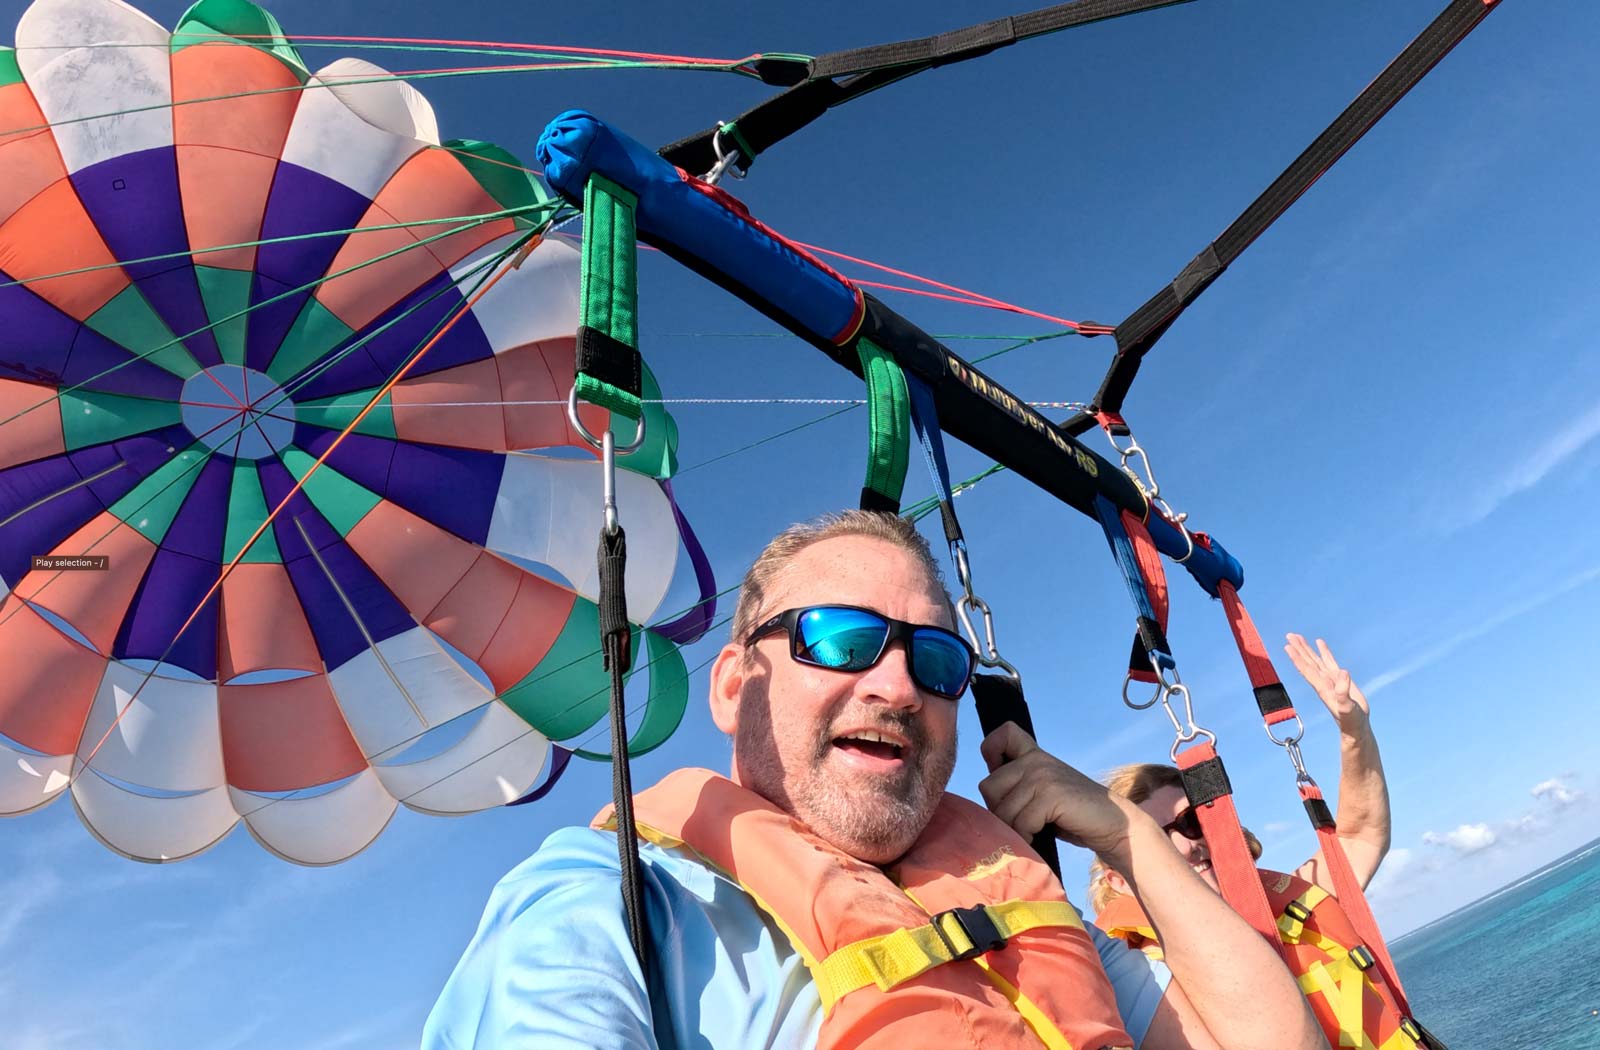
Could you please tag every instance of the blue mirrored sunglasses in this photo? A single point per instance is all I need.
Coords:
(847, 638)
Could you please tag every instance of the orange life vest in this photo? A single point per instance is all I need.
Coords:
(1335, 971)
(966, 941)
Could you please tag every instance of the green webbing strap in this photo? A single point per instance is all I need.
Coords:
(889, 446)
(609, 368)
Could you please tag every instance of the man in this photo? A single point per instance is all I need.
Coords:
(855, 757)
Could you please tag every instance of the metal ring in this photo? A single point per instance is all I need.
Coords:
(1288, 741)
(583, 431)
(1154, 697)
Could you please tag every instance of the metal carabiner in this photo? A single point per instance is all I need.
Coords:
(727, 163)
(607, 444)
(1301, 775)
(986, 648)
(1176, 520)
(1185, 729)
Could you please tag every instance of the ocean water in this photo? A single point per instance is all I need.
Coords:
(1519, 968)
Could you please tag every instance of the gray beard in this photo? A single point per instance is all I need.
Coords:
(880, 821)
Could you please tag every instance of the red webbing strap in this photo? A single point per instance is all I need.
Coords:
(1271, 697)
(1347, 889)
(1206, 784)
(1155, 586)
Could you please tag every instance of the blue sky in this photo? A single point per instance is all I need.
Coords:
(1387, 409)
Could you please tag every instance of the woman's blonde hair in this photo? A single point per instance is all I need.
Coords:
(1136, 783)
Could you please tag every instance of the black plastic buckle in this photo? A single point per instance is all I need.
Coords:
(1420, 1034)
(1362, 958)
(1297, 911)
(977, 925)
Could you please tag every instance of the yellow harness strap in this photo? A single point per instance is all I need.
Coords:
(894, 958)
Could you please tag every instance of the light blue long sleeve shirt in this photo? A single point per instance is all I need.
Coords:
(551, 967)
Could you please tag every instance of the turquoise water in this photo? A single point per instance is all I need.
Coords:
(1520, 968)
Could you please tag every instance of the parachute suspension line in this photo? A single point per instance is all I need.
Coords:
(609, 374)
(366, 635)
(1085, 328)
(227, 570)
(920, 510)
(998, 697)
(401, 76)
(1194, 751)
(286, 393)
(479, 269)
(466, 47)
(290, 238)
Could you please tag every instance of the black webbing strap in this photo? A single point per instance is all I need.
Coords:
(999, 700)
(1321, 816)
(616, 644)
(1206, 781)
(1139, 332)
(869, 68)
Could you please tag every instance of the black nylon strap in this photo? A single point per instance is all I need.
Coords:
(1272, 698)
(1140, 330)
(999, 700)
(1206, 782)
(1321, 816)
(1153, 638)
(610, 360)
(616, 637)
(872, 499)
(870, 68)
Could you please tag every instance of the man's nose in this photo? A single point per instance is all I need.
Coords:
(889, 680)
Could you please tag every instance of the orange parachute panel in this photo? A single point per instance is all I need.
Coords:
(279, 736)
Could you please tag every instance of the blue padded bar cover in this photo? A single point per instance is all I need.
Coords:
(709, 227)
(1208, 567)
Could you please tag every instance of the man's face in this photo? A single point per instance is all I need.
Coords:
(797, 730)
(1165, 805)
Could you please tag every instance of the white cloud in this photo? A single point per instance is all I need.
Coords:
(1532, 468)
(1437, 652)
(1556, 791)
(1397, 874)
(1466, 839)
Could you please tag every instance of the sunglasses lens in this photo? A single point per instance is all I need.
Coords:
(941, 663)
(1188, 825)
(840, 639)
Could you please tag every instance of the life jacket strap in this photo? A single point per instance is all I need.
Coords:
(956, 935)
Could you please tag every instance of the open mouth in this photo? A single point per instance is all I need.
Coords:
(1201, 866)
(871, 747)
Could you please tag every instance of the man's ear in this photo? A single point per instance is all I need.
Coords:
(1117, 883)
(727, 685)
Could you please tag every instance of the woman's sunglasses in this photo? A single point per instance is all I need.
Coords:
(1186, 824)
(845, 638)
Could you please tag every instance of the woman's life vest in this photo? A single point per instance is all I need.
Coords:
(1335, 970)
(965, 942)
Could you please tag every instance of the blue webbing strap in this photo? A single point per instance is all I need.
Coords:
(997, 698)
(1152, 636)
(925, 420)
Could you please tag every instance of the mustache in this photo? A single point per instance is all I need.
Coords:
(900, 723)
